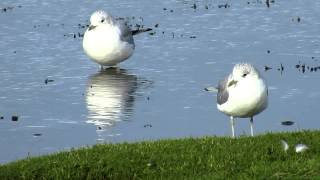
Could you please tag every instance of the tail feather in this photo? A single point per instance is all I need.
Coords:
(138, 31)
(211, 89)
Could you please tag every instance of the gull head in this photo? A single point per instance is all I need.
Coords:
(243, 71)
(100, 17)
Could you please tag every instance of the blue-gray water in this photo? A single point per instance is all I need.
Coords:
(158, 92)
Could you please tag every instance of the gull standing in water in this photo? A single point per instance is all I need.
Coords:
(243, 94)
(109, 41)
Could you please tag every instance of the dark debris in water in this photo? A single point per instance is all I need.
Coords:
(194, 6)
(314, 69)
(14, 118)
(268, 3)
(287, 123)
(9, 8)
(48, 25)
(37, 134)
(83, 26)
(147, 126)
(281, 68)
(74, 35)
(174, 35)
(224, 5)
(46, 81)
(267, 68)
(165, 9)
(298, 19)
(303, 67)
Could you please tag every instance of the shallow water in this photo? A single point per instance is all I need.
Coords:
(158, 92)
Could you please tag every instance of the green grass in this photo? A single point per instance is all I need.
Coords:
(190, 158)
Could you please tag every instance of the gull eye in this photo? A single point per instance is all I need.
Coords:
(244, 75)
(102, 20)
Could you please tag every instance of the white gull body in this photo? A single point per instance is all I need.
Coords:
(108, 41)
(243, 94)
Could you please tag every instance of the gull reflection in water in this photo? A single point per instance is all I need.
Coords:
(110, 98)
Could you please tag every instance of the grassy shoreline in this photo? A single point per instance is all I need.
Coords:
(190, 158)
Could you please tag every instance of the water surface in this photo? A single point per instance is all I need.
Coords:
(158, 93)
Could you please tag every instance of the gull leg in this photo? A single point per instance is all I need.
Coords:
(232, 125)
(117, 68)
(251, 125)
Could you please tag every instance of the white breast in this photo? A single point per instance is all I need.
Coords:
(247, 98)
(104, 46)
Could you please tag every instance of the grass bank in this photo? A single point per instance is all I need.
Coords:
(191, 158)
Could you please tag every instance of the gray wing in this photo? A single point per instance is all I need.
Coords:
(126, 34)
(223, 94)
